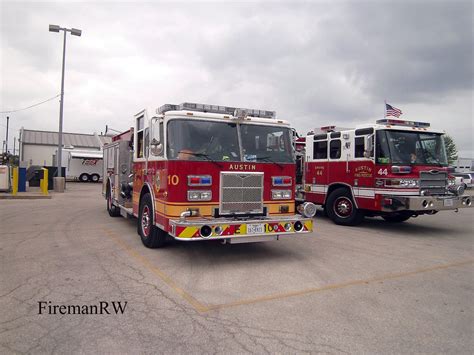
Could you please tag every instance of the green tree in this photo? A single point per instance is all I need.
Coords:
(451, 150)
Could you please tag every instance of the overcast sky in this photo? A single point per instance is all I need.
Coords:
(315, 63)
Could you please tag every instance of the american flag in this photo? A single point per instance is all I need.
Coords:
(392, 111)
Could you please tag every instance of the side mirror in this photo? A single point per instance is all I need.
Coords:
(369, 146)
(157, 149)
(155, 132)
(369, 142)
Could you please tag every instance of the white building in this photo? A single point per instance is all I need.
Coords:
(39, 147)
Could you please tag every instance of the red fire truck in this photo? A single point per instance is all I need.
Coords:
(201, 172)
(395, 169)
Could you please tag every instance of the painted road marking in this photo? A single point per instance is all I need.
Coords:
(337, 286)
(200, 307)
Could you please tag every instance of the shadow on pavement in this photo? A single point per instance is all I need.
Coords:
(418, 226)
(203, 251)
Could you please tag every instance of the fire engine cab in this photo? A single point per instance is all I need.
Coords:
(395, 169)
(201, 172)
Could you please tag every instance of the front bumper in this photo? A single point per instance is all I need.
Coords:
(191, 229)
(424, 204)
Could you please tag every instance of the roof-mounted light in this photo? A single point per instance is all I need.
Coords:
(388, 121)
(225, 110)
(240, 113)
(328, 128)
(167, 107)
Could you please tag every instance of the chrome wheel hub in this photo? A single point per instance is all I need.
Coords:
(343, 207)
(146, 221)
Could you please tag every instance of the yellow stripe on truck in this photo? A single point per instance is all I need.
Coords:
(171, 210)
(188, 232)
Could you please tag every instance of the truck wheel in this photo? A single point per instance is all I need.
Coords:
(340, 207)
(397, 217)
(95, 177)
(84, 177)
(151, 236)
(114, 211)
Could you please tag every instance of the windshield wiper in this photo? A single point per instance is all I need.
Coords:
(270, 160)
(205, 156)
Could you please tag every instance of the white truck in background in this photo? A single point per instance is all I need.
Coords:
(83, 165)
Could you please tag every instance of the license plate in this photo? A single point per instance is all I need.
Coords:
(255, 228)
(448, 202)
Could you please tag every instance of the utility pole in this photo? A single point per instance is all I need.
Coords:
(14, 145)
(6, 141)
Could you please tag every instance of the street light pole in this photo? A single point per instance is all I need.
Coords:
(59, 156)
(74, 32)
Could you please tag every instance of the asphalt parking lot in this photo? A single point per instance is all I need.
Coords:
(376, 288)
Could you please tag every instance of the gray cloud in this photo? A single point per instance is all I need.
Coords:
(315, 63)
(425, 46)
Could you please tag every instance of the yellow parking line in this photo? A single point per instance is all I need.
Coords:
(336, 286)
(198, 306)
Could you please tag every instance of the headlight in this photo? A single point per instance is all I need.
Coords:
(281, 194)
(198, 195)
(402, 183)
(409, 183)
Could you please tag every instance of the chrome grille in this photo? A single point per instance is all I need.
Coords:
(241, 193)
(435, 182)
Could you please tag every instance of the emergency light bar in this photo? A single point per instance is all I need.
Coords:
(328, 128)
(388, 121)
(225, 110)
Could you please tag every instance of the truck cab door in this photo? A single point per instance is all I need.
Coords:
(316, 169)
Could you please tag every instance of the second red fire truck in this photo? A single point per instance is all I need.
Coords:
(395, 169)
(202, 172)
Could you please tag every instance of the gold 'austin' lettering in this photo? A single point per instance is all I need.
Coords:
(242, 167)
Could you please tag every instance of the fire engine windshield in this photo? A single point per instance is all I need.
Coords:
(402, 147)
(266, 143)
(219, 141)
(202, 140)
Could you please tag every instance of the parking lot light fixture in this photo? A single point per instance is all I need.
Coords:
(53, 28)
(74, 32)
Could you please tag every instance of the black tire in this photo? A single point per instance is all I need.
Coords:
(95, 177)
(84, 177)
(113, 210)
(151, 236)
(341, 209)
(397, 217)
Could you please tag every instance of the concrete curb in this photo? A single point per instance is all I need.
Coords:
(24, 197)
